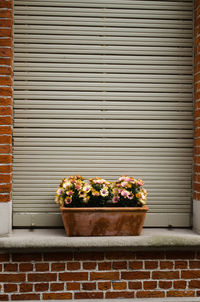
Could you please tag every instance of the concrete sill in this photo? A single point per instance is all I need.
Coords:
(45, 239)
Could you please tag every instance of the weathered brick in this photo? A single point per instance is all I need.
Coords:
(194, 264)
(150, 255)
(181, 293)
(58, 266)
(135, 265)
(120, 255)
(165, 284)
(88, 295)
(150, 294)
(190, 274)
(42, 267)
(38, 277)
(89, 265)
(135, 285)
(165, 275)
(73, 266)
(151, 264)
(26, 257)
(58, 256)
(41, 287)
(26, 267)
(150, 284)
(26, 287)
(135, 275)
(194, 284)
(10, 267)
(56, 287)
(57, 296)
(4, 297)
(119, 265)
(25, 297)
(180, 284)
(119, 285)
(166, 264)
(89, 286)
(73, 276)
(88, 256)
(12, 277)
(181, 264)
(103, 266)
(73, 286)
(104, 285)
(104, 276)
(10, 288)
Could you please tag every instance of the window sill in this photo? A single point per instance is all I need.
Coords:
(45, 239)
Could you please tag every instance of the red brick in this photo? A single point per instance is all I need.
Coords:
(88, 295)
(104, 276)
(150, 284)
(89, 256)
(58, 256)
(56, 286)
(89, 286)
(6, 139)
(26, 287)
(6, 42)
(120, 255)
(151, 264)
(5, 197)
(5, 101)
(57, 266)
(10, 267)
(73, 286)
(6, 188)
(150, 294)
(12, 277)
(57, 296)
(6, 110)
(4, 159)
(104, 285)
(4, 257)
(5, 130)
(41, 287)
(119, 285)
(73, 266)
(5, 13)
(135, 265)
(5, 70)
(3, 297)
(135, 275)
(180, 284)
(190, 274)
(135, 285)
(103, 266)
(26, 257)
(73, 276)
(5, 178)
(165, 275)
(89, 265)
(5, 4)
(166, 264)
(119, 265)
(6, 32)
(165, 284)
(25, 297)
(121, 294)
(194, 284)
(181, 264)
(42, 267)
(5, 168)
(38, 277)
(180, 293)
(10, 288)
(26, 267)
(194, 264)
(150, 255)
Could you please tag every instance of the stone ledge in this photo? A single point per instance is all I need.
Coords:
(45, 239)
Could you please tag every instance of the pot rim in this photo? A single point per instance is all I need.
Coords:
(106, 209)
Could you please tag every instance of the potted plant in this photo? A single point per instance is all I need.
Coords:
(100, 208)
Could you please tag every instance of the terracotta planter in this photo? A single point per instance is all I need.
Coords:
(103, 221)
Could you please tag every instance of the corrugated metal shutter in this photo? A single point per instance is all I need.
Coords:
(103, 88)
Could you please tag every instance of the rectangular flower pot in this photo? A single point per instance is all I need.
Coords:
(103, 221)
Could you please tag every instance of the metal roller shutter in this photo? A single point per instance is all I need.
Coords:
(103, 88)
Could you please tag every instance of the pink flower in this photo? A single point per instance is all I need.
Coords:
(115, 199)
(68, 200)
(123, 184)
(130, 196)
(70, 193)
(125, 193)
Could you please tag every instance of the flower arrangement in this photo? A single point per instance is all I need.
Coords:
(75, 191)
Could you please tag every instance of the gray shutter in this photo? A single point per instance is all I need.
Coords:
(103, 88)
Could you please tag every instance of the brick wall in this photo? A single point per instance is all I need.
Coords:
(6, 82)
(99, 275)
